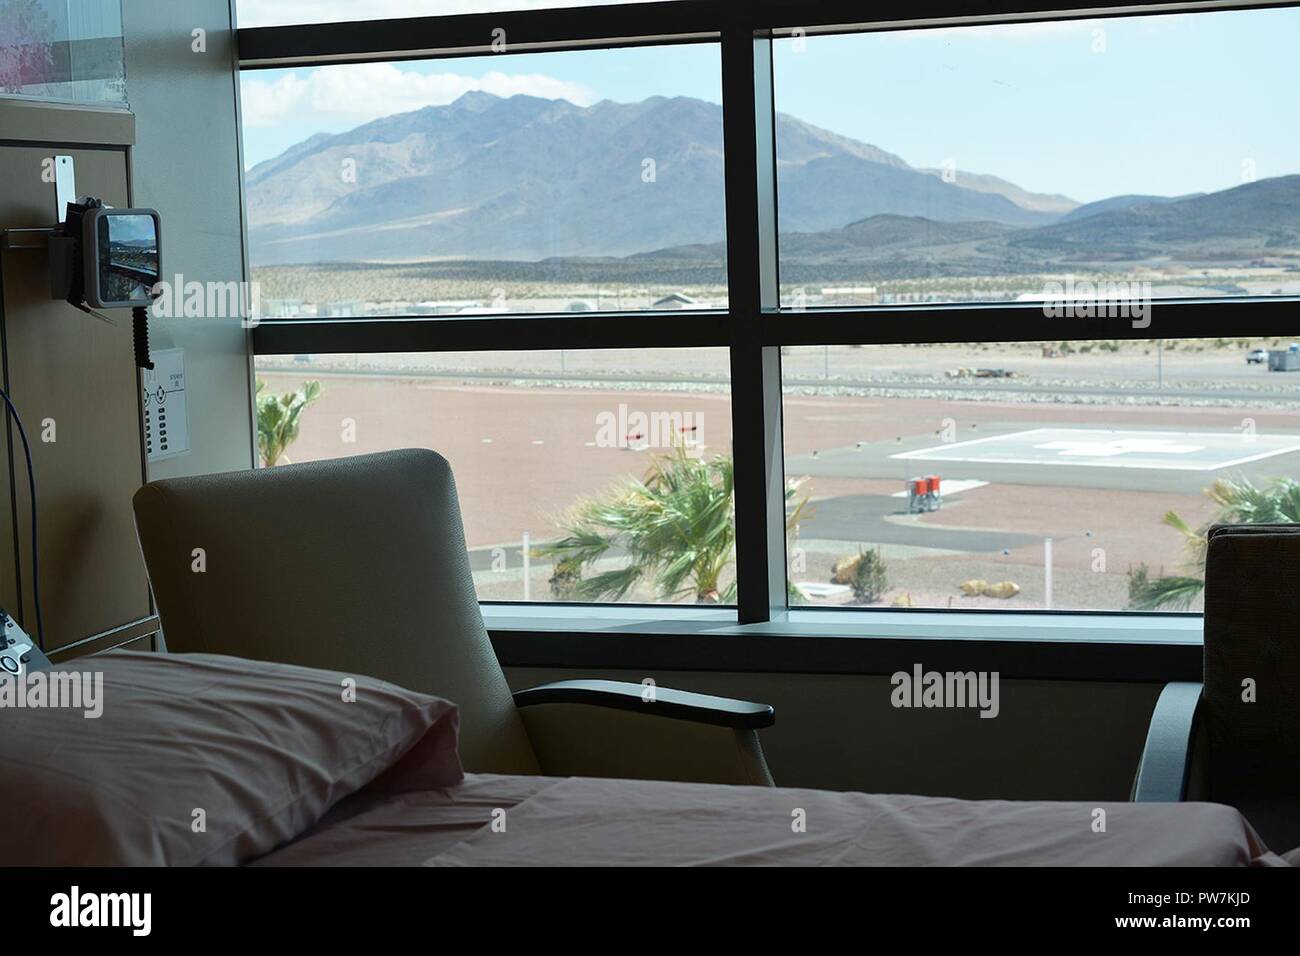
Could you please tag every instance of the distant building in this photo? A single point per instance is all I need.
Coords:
(388, 307)
(1284, 360)
(856, 294)
(677, 300)
(281, 308)
(341, 309)
(447, 307)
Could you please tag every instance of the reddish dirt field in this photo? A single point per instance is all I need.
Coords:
(523, 455)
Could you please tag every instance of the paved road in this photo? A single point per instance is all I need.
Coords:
(1287, 388)
(862, 518)
(846, 518)
(1002, 388)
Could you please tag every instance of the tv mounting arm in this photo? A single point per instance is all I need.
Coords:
(100, 257)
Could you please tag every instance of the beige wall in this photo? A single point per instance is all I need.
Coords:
(1053, 740)
(180, 155)
(186, 164)
(73, 380)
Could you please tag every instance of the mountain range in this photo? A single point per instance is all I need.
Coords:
(529, 179)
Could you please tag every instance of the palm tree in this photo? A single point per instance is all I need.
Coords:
(278, 419)
(676, 526)
(1240, 502)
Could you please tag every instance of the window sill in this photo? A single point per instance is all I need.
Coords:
(1045, 646)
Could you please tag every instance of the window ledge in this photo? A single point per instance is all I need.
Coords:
(1034, 645)
(623, 618)
(1031, 626)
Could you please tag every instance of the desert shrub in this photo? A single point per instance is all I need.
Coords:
(870, 577)
(1139, 583)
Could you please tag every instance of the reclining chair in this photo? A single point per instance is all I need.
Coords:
(1236, 738)
(359, 565)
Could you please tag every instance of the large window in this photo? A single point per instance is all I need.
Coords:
(1039, 475)
(707, 305)
(1020, 161)
(586, 181)
(583, 476)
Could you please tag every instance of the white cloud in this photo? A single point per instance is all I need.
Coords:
(366, 91)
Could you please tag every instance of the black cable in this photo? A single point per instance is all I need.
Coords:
(89, 311)
(19, 590)
(31, 485)
(140, 336)
(12, 411)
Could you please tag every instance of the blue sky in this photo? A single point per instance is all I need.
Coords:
(1161, 104)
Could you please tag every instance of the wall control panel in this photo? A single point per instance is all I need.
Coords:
(166, 413)
(18, 653)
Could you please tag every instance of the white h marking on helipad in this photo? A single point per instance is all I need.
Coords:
(1121, 446)
(1112, 448)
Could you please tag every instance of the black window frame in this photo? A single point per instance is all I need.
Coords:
(766, 635)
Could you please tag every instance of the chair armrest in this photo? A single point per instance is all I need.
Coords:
(1166, 758)
(666, 702)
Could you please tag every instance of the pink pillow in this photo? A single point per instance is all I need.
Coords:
(203, 759)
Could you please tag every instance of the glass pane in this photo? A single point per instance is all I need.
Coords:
(555, 456)
(558, 182)
(62, 50)
(264, 13)
(1066, 475)
(1021, 161)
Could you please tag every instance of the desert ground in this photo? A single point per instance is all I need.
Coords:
(1087, 446)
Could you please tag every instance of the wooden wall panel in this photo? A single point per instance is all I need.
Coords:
(76, 373)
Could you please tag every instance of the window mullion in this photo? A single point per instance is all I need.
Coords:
(752, 288)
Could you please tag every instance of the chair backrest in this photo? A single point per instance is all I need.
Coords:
(354, 564)
(1251, 699)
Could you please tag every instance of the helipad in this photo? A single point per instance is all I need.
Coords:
(1105, 448)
